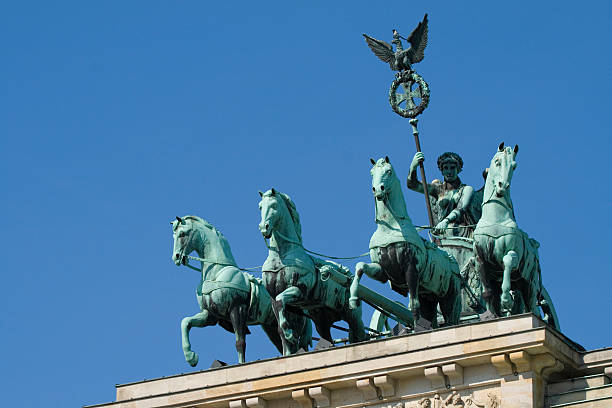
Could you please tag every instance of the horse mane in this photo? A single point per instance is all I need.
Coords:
(200, 220)
(295, 217)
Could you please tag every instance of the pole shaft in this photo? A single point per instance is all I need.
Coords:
(415, 133)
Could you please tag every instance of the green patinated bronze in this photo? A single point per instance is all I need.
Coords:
(297, 280)
(226, 296)
(480, 260)
(399, 255)
(506, 257)
(413, 95)
(456, 207)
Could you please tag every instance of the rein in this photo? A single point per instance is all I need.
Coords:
(206, 261)
(291, 241)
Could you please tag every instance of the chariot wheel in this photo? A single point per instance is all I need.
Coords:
(409, 94)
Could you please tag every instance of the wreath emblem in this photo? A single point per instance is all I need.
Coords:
(409, 94)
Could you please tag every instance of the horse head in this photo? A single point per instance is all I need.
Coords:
(184, 234)
(383, 178)
(278, 213)
(501, 169)
(270, 213)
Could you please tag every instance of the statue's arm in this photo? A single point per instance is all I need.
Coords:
(462, 205)
(456, 213)
(412, 182)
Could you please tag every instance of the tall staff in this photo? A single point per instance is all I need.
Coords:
(409, 93)
(415, 133)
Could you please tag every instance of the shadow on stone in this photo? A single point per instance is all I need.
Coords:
(422, 325)
(399, 330)
(488, 315)
(323, 344)
(218, 363)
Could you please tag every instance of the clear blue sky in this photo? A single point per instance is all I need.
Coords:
(117, 116)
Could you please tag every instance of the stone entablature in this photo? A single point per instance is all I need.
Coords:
(500, 363)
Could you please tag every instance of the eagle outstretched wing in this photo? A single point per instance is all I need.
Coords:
(381, 49)
(418, 42)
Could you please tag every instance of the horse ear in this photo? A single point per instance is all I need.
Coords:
(515, 149)
(372, 161)
(387, 159)
(273, 191)
(501, 147)
(260, 193)
(179, 219)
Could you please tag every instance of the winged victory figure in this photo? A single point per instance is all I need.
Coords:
(401, 59)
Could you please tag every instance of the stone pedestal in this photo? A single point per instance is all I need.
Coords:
(503, 363)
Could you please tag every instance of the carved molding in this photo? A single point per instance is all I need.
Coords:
(436, 376)
(237, 404)
(368, 389)
(256, 402)
(303, 398)
(521, 360)
(386, 385)
(321, 396)
(455, 400)
(546, 364)
(454, 372)
(502, 364)
(608, 372)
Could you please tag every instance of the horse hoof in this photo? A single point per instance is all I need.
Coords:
(353, 303)
(192, 358)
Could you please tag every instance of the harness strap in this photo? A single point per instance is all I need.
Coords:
(214, 285)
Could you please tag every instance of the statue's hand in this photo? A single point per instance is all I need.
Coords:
(416, 160)
(441, 227)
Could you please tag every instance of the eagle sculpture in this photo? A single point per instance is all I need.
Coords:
(401, 59)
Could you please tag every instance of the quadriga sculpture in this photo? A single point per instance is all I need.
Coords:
(227, 296)
(413, 265)
(506, 258)
(297, 281)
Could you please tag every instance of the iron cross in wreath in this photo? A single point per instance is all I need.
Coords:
(409, 93)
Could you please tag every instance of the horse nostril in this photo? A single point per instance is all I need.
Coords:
(382, 188)
(267, 225)
(374, 189)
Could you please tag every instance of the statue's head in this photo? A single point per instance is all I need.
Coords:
(450, 164)
(383, 177)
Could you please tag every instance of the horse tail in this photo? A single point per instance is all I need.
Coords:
(550, 314)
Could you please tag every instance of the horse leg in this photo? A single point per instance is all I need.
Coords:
(373, 270)
(305, 333)
(272, 333)
(356, 328)
(323, 326)
(290, 295)
(529, 291)
(412, 281)
(487, 291)
(201, 319)
(429, 311)
(450, 303)
(511, 261)
(238, 317)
